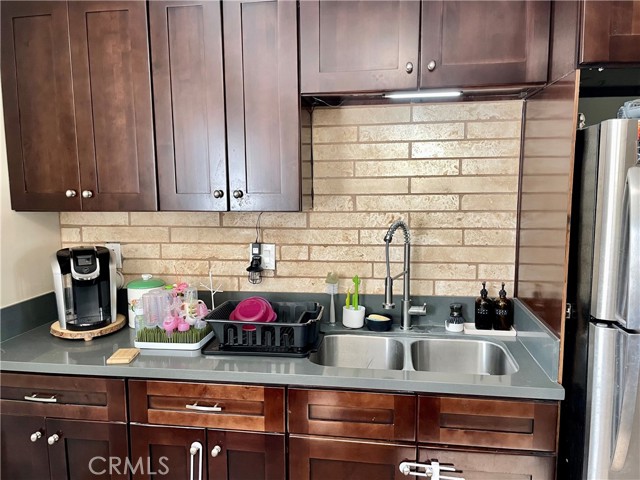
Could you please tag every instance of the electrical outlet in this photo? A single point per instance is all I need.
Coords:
(267, 252)
(117, 252)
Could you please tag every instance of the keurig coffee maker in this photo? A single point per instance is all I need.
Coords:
(84, 280)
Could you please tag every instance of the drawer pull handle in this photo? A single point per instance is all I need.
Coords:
(196, 448)
(35, 398)
(215, 451)
(35, 436)
(53, 439)
(430, 470)
(203, 408)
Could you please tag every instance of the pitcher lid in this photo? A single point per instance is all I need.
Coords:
(147, 282)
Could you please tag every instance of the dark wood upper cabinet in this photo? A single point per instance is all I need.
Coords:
(610, 32)
(263, 105)
(349, 46)
(188, 95)
(77, 101)
(112, 89)
(471, 43)
(39, 115)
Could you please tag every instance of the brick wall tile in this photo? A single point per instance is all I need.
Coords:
(465, 148)
(125, 234)
(417, 131)
(465, 185)
(310, 237)
(490, 237)
(194, 219)
(94, 218)
(335, 134)
(418, 237)
(490, 166)
(361, 115)
(378, 203)
(70, 235)
(360, 186)
(406, 168)
(357, 151)
(489, 202)
(294, 252)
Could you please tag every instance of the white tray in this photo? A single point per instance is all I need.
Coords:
(470, 329)
(175, 346)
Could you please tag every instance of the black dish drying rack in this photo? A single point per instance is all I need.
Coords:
(294, 333)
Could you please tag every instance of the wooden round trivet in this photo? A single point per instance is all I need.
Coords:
(87, 335)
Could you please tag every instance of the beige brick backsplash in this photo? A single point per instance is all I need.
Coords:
(490, 166)
(489, 202)
(412, 132)
(186, 219)
(465, 148)
(449, 169)
(94, 218)
(294, 252)
(466, 288)
(463, 220)
(377, 203)
(493, 129)
(418, 236)
(70, 235)
(332, 170)
(361, 115)
(311, 237)
(473, 184)
(488, 237)
(363, 151)
(333, 203)
(406, 168)
(125, 234)
(335, 134)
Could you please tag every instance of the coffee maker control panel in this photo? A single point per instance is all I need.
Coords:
(84, 264)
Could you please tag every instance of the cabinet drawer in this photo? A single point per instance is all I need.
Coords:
(375, 416)
(63, 397)
(233, 407)
(494, 466)
(488, 423)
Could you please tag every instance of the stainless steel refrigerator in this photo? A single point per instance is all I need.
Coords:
(600, 418)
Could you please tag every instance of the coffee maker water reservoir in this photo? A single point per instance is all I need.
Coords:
(84, 280)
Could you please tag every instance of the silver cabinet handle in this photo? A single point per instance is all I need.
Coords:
(431, 470)
(196, 449)
(70, 193)
(87, 194)
(35, 398)
(218, 194)
(203, 408)
(237, 194)
(409, 67)
(35, 436)
(431, 66)
(216, 451)
(53, 439)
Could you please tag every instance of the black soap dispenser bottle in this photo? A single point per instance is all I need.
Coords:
(484, 310)
(503, 319)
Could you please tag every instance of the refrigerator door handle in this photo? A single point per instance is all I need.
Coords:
(628, 301)
(630, 351)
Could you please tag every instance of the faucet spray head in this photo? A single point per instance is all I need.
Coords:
(388, 294)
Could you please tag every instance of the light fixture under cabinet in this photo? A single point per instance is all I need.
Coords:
(426, 94)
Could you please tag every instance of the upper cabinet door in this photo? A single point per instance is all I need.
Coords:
(39, 116)
(112, 90)
(188, 95)
(358, 46)
(610, 32)
(472, 43)
(263, 104)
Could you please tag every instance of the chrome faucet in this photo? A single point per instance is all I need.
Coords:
(407, 309)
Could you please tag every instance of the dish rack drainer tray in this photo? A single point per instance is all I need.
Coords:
(294, 333)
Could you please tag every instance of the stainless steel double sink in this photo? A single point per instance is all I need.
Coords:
(434, 354)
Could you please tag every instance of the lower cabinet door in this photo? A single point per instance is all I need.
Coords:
(494, 466)
(333, 459)
(245, 456)
(170, 453)
(24, 453)
(80, 450)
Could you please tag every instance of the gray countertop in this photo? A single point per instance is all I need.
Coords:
(37, 351)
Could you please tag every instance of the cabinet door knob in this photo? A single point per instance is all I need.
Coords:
(35, 436)
(70, 193)
(53, 439)
(409, 67)
(87, 194)
(216, 451)
(237, 194)
(431, 66)
(218, 194)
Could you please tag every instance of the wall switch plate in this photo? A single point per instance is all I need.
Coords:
(117, 252)
(267, 253)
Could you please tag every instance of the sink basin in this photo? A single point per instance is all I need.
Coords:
(355, 351)
(478, 357)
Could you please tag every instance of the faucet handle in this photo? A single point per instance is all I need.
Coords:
(418, 310)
